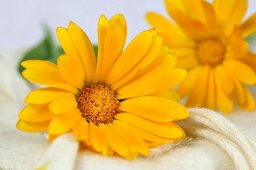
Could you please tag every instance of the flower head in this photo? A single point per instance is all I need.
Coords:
(209, 40)
(120, 104)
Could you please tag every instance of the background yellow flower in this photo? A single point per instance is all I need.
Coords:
(209, 40)
(122, 103)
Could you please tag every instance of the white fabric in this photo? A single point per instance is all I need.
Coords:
(209, 147)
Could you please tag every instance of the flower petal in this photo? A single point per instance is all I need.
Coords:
(149, 84)
(172, 35)
(168, 94)
(81, 130)
(249, 26)
(239, 93)
(98, 139)
(151, 55)
(224, 103)
(71, 71)
(135, 143)
(142, 133)
(76, 44)
(116, 142)
(132, 55)
(62, 124)
(229, 13)
(237, 47)
(240, 71)
(154, 108)
(45, 73)
(210, 100)
(46, 95)
(32, 127)
(250, 101)
(168, 130)
(194, 27)
(197, 97)
(35, 113)
(111, 42)
(225, 79)
(84, 49)
(186, 86)
(63, 106)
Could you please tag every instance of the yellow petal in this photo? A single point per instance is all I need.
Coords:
(250, 101)
(211, 19)
(180, 5)
(46, 95)
(187, 62)
(45, 73)
(117, 143)
(224, 103)
(240, 71)
(225, 79)
(229, 13)
(141, 133)
(151, 55)
(81, 130)
(110, 45)
(237, 47)
(35, 113)
(135, 143)
(103, 25)
(239, 93)
(62, 124)
(249, 26)
(63, 106)
(98, 139)
(250, 60)
(198, 93)
(195, 10)
(149, 83)
(168, 94)
(72, 71)
(185, 88)
(154, 108)
(210, 100)
(193, 27)
(32, 127)
(84, 49)
(168, 130)
(171, 33)
(132, 55)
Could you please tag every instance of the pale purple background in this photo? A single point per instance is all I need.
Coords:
(21, 20)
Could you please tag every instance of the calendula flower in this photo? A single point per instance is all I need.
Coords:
(209, 40)
(120, 104)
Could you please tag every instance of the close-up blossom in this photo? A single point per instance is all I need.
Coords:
(122, 102)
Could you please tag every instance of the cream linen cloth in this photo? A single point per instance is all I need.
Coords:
(23, 151)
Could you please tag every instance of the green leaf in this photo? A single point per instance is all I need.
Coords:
(95, 47)
(45, 50)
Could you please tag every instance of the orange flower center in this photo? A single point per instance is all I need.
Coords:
(98, 103)
(211, 51)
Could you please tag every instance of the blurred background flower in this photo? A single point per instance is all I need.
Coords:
(210, 42)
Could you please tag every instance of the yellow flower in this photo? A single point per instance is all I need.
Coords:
(209, 40)
(120, 104)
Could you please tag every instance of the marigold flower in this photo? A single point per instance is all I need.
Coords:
(119, 104)
(209, 40)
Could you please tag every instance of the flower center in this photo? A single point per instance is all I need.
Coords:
(98, 103)
(211, 51)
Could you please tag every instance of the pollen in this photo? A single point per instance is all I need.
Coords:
(211, 51)
(98, 103)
